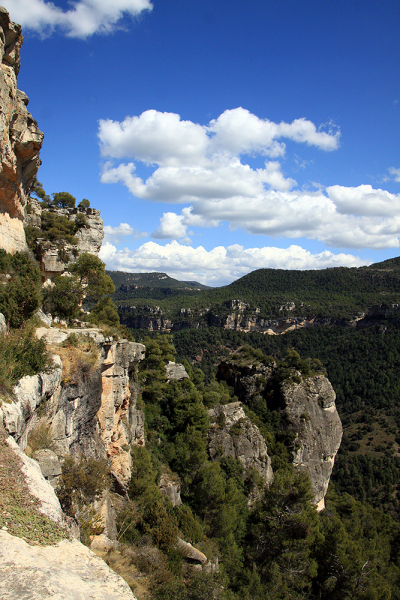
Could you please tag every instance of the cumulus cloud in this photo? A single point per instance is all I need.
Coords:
(85, 18)
(207, 169)
(164, 139)
(114, 234)
(307, 214)
(171, 227)
(220, 265)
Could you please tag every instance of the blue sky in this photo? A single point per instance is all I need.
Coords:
(220, 137)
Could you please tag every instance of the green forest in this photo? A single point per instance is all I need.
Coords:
(278, 547)
(337, 293)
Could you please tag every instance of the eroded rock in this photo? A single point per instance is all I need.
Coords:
(233, 434)
(310, 410)
(21, 140)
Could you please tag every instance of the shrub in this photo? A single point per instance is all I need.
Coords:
(21, 353)
(39, 437)
(21, 295)
(81, 482)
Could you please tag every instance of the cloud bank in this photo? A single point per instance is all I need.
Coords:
(207, 167)
(85, 18)
(220, 265)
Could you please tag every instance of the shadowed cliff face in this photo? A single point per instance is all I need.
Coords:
(21, 140)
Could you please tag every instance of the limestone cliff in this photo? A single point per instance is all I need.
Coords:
(54, 257)
(307, 414)
(21, 140)
(89, 408)
(233, 434)
(309, 410)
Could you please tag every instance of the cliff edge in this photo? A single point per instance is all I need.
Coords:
(21, 140)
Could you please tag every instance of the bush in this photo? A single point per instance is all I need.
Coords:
(39, 437)
(21, 295)
(21, 353)
(82, 482)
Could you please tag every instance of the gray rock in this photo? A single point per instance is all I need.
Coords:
(68, 571)
(49, 465)
(176, 371)
(3, 324)
(190, 553)
(310, 410)
(170, 486)
(233, 434)
(46, 319)
(38, 486)
(307, 408)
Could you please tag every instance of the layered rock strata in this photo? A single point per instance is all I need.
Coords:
(21, 140)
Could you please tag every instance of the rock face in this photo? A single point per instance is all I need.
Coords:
(309, 409)
(116, 416)
(170, 486)
(91, 414)
(52, 259)
(68, 570)
(38, 486)
(176, 371)
(233, 434)
(21, 140)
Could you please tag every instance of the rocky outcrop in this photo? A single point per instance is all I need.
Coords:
(38, 487)
(115, 416)
(169, 485)
(21, 140)
(54, 257)
(68, 570)
(91, 412)
(233, 434)
(309, 410)
(176, 371)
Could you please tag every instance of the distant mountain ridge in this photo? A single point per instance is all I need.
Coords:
(266, 300)
(153, 279)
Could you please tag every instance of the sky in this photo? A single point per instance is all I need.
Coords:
(219, 137)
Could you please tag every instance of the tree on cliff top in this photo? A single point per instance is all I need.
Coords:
(63, 200)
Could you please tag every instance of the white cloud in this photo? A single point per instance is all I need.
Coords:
(305, 214)
(171, 227)
(205, 168)
(220, 265)
(364, 200)
(155, 138)
(114, 234)
(240, 132)
(164, 139)
(85, 18)
(395, 173)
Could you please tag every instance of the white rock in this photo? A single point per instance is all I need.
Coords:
(67, 571)
(38, 486)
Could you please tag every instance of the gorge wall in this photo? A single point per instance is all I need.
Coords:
(21, 140)
(307, 414)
